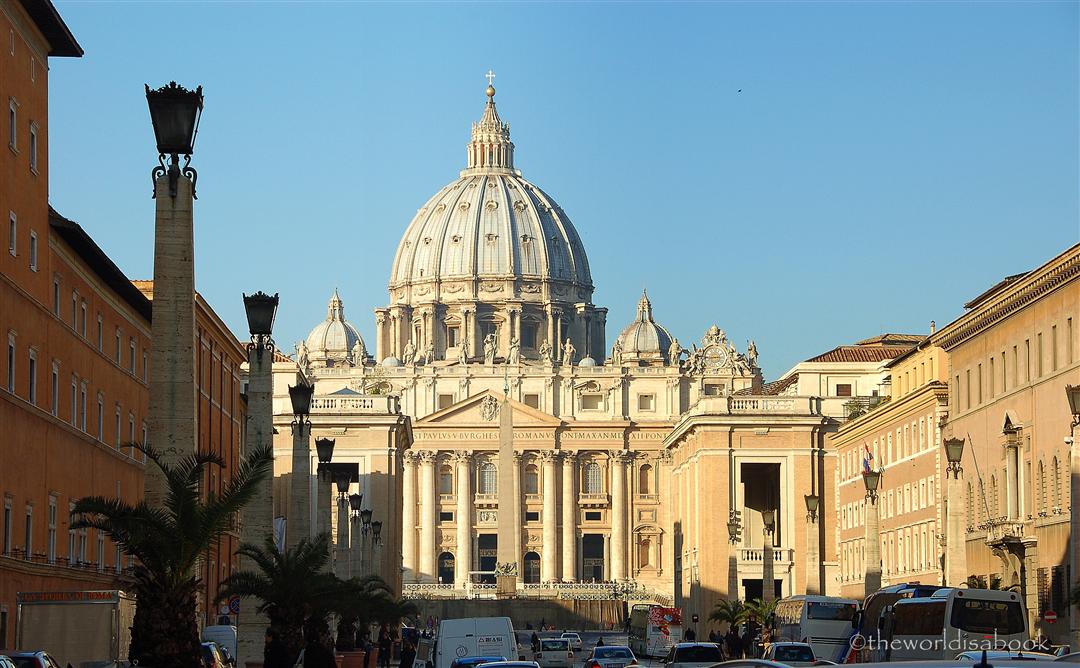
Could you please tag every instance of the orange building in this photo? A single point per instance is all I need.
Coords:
(221, 416)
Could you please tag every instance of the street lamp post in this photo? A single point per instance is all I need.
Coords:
(357, 534)
(768, 518)
(257, 517)
(871, 479)
(299, 517)
(813, 560)
(341, 547)
(175, 113)
(734, 527)
(1072, 392)
(955, 515)
(324, 450)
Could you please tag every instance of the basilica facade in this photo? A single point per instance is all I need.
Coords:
(491, 301)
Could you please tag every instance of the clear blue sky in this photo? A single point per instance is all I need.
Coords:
(883, 163)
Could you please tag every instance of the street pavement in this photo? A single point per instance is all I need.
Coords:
(588, 642)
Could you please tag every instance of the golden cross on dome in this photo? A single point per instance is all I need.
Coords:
(490, 76)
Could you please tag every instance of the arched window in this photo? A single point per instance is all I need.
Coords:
(1056, 472)
(594, 483)
(645, 479)
(644, 552)
(488, 482)
(446, 568)
(532, 480)
(446, 480)
(993, 498)
(1042, 487)
(532, 568)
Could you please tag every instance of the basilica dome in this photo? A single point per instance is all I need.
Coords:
(644, 341)
(493, 224)
(333, 340)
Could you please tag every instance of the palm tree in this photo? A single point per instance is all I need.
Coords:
(731, 612)
(758, 610)
(292, 586)
(366, 600)
(168, 542)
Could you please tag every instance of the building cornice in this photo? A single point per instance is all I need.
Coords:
(1052, 275)
(935, 392)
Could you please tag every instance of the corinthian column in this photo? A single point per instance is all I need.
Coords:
(463, 516)
(427, 515)
(549, 569)
(408, 518)
(618, 515)
(569, 517)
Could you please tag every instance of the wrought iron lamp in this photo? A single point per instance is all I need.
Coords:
(376, 532)
(1073, 393)
(768, 518)
(175, 112)
(300, 396)
(342, 481)
(871, 479)
(812, 503)
(261, 310)
(324, 447)
(954, 453)
(734, 527)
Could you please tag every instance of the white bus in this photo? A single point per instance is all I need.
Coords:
(954, 620)
(654, 629)
(822, 621)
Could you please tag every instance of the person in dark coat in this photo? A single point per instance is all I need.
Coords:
(274, 653)
(734, 645)
(408, 654)
(386, 643)
(317, 652)
(691, 636)
(535, 640)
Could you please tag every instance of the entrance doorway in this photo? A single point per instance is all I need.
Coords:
(753, 589)
(446, 568)
(488, 549)
(592, 557)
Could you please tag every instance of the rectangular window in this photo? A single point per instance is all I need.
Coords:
(116, 429)
(11, 363)
(82, 319)
(82, 406)
(1027, 360)
(33, 251)
(532, 516)
(31, 394)
(54, 390)
(51, 554)
(528, 335)
(1069, 341)
(56, 296)
(646, 402)
(131, 430)
(13, 124)
(1038, 355)
(979, 376)
(146, 371)
(118, 337)
(100, 551)
(74, 310)
(100, 337)
(992, 374)
(446, 516)
(445, 401)
(967, 388)
(71, 555)
(1053, 348)
(101, 418)
(13, 233)
(593, 516)
(33, 148)
(28, 534)
(7, 526)
(714, 389)
(532, 400)
(131, 356)
(1004, 375)
(117, 564)
(843, 390)
(592, 402)
(451, 337)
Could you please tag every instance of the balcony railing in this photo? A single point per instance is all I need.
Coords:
(754, 555)
(604, 591)
(486, 500)
(592, 500)
(1005, 531)
(365, 405)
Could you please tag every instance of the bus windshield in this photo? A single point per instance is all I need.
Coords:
(919, 619)
(975, 616)
(837, 612)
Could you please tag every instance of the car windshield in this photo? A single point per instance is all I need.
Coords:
(786, 653)
(975, 616)
(919, 619)
(24, 662)
(831, 611)
(612, 653)
(570, 635)
(554, 645)
(698, 654)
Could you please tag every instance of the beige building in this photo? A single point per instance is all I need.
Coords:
(1010, 357)
(901, 437)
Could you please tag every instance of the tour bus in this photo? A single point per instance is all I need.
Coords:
(654, 629)
(822, 621)
(475, 636)
(951, 621)
(867, 622)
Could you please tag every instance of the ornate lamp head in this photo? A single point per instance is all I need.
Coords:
(812, 503)
(871, 479)
(175, 112)
(324, 447)
(376, 531)
(261, 310)
(300, 396)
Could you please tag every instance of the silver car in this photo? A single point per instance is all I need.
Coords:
(611, 656)
(693, 655)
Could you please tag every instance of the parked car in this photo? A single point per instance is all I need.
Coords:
(33, 660)
(693, 655)
(212, 656)
(511, 664)
(791, 654)
(555, 653)
(610, 656)
(472, 661)
(997, 655)
(575, 640)
(6, 662)
(750, 663)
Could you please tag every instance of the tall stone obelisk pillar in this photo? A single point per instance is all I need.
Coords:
(172, 353)
(509, 510)
(872, 545)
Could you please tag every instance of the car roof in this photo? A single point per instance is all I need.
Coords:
(789, 643)
(696, 644)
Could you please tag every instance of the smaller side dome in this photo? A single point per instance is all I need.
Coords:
(587, 362)
(643, 342)
(391, 361)
(333, 340)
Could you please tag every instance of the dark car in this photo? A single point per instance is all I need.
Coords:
(33, 660)
(212, 656)
(473, 661)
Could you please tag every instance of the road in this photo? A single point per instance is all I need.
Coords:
(588, 641)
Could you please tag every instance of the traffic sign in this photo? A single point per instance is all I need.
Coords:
(1050, 616)
(234, 605)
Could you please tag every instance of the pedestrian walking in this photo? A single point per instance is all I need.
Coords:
(275, 655)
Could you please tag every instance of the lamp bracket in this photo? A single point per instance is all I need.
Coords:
(173, 171)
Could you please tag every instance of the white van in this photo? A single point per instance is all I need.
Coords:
(824, 622)
(475, 636)
(954, 620)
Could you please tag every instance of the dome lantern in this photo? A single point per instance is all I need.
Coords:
(490, 147)
(335, 340)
